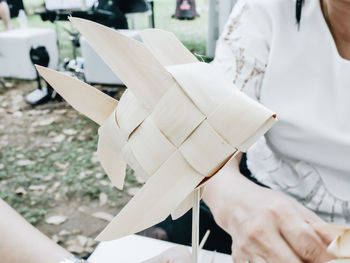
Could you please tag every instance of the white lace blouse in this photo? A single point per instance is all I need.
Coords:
(301, 76)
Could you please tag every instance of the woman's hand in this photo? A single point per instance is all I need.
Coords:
(275, 229)
(178, 254)
(266, 226)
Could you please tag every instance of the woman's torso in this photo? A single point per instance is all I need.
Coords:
(307, 83)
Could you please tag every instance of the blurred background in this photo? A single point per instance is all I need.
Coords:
(49, 170)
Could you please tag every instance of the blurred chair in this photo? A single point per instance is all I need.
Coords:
(135, 9)
(117, 20)
(105, 12)
(40, 56)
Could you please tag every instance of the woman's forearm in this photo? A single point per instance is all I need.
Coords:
(226, 188)
(21, 242)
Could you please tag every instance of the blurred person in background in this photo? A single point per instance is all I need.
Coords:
(5, 14)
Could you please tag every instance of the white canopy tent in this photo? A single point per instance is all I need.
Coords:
(219, 12)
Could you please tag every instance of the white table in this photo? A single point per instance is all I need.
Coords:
(14, 51)
(95, 69)
(68, 4)
(136, 249)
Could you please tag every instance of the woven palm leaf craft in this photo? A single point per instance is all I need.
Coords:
(177, 124)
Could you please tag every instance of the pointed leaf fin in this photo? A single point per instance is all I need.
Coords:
(86, 99)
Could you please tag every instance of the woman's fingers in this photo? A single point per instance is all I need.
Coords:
(282, 252)
(279, 253)
(302, 238)
(317, 224)
(263, 243)
(274, 249)
(327, 238)
(273, 228)
(307, 244)
(328, 232)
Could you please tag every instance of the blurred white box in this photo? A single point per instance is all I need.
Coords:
(95, 69)
(69, 4)
(15, 46)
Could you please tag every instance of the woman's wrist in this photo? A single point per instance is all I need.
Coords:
(227, 195)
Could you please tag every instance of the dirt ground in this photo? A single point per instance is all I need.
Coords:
(49, 170)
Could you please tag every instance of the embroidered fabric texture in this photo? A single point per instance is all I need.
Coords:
(300, 180)
(247, 71)
(296, 178)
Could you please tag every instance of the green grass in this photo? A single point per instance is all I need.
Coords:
(69, 163)
(77, 152)
(191, 32)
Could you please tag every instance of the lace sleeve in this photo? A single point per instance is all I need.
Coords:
(243, 48)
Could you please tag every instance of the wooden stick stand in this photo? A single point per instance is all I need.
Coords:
(195, 225)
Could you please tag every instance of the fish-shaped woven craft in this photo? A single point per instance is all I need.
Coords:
(177, 124)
